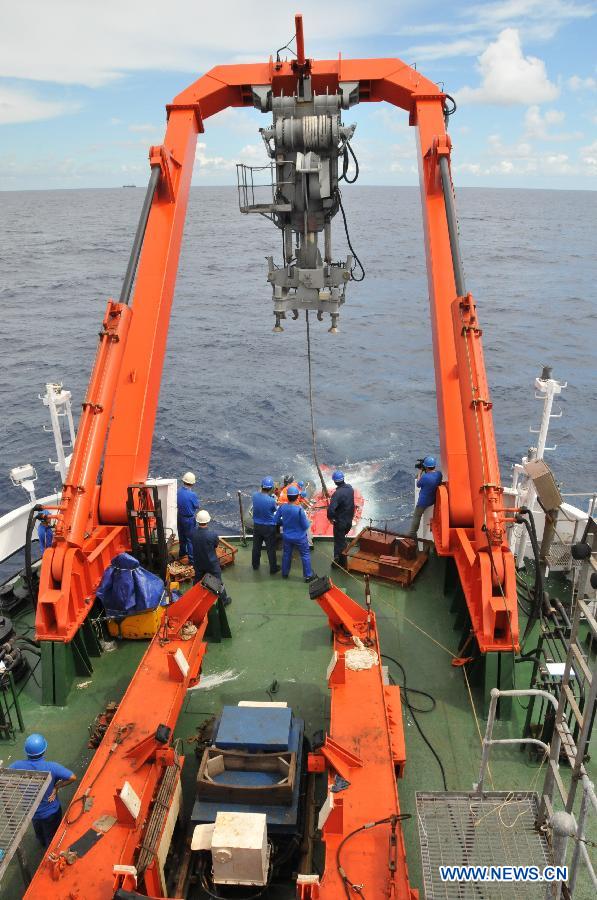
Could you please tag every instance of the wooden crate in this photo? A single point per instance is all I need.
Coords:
(216, 761)
(379, 563)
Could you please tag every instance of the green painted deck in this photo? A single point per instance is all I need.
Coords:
(280, 634)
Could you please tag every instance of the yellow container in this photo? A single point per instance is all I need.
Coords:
(137, 627)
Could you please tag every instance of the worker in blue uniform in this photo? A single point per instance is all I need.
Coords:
(295, 524)
(264, 525)
(45, 532)
(205, 558)
(48, 814)
(188, 506)
(428, 483)
(341, 512)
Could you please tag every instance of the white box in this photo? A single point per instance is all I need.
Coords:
(239, 848)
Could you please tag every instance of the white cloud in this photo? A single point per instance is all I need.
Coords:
(92, 44)
(576, 83)
(17, 105)
(146, 128)
(508, 77)
(445, 49)
(535, 19)
(537, 125)
(588, 156)
(251, 154)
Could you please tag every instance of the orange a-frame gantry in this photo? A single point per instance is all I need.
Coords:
(120, 407)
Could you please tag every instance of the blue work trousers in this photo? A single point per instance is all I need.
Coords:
(186, 527)
(302, 545)
(45, 829)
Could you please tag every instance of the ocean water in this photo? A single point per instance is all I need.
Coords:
(234, 403)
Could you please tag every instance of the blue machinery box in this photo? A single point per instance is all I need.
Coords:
(263, 734)
(254, 729)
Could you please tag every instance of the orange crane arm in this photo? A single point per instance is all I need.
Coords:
(469, 522)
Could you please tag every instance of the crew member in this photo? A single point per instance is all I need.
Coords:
(283, 495)
(428, 484)
(264, 525)
(45, 532)
(48, 814)
(205, 558)
(295, 524)
(341, 512)
(188, 506)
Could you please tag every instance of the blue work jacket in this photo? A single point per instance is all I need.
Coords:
(294, 521)
(59, 773)
(46, 535)
(205, 558)
(264, 509)
(187, 501)
(428, 484)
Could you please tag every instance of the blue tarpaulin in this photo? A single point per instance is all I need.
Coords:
(126, 588)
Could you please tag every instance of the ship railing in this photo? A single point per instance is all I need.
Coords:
(563, 823)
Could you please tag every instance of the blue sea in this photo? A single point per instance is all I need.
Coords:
(234, 400)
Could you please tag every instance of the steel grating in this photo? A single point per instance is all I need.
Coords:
(20, 794)
(496, 828)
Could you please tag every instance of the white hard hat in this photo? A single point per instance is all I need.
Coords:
(203, 517)
(188, 478)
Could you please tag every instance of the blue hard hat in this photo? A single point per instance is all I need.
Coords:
(35, 746)
(301, 484)
(338, 476)
(429, 462)
(267, 482)
(292, 491)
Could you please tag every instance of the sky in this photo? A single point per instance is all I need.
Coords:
(83, 85)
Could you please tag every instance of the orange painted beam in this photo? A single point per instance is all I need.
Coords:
(154, 697)
(365, 746)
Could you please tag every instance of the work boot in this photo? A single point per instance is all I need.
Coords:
(311, 578)
(274, 571)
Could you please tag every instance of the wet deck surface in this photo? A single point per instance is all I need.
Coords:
(281, 635)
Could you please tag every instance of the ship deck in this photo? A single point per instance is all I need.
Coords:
(281, 635)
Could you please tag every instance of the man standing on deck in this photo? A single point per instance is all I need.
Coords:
(264, 525)
(188, 505)
(341, 513)
(48, 814)
(295, 524)
(205, 558)
(428, 484)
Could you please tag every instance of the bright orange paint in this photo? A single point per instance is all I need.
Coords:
(468, 503)
(154, 697)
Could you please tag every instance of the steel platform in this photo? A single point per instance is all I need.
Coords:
(21, 791)
(496, 828)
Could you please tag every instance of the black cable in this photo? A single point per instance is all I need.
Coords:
(285, 47)
(414, 718)
(344, 176)
(346, 882)
(449, 110)
(351, 248)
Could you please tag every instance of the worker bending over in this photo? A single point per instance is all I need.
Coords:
(341, 513)
(205, 558)
(428, 483)
(295, 524)
(48, 814)
(45, 532)
(188, 505)
(264, 525)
